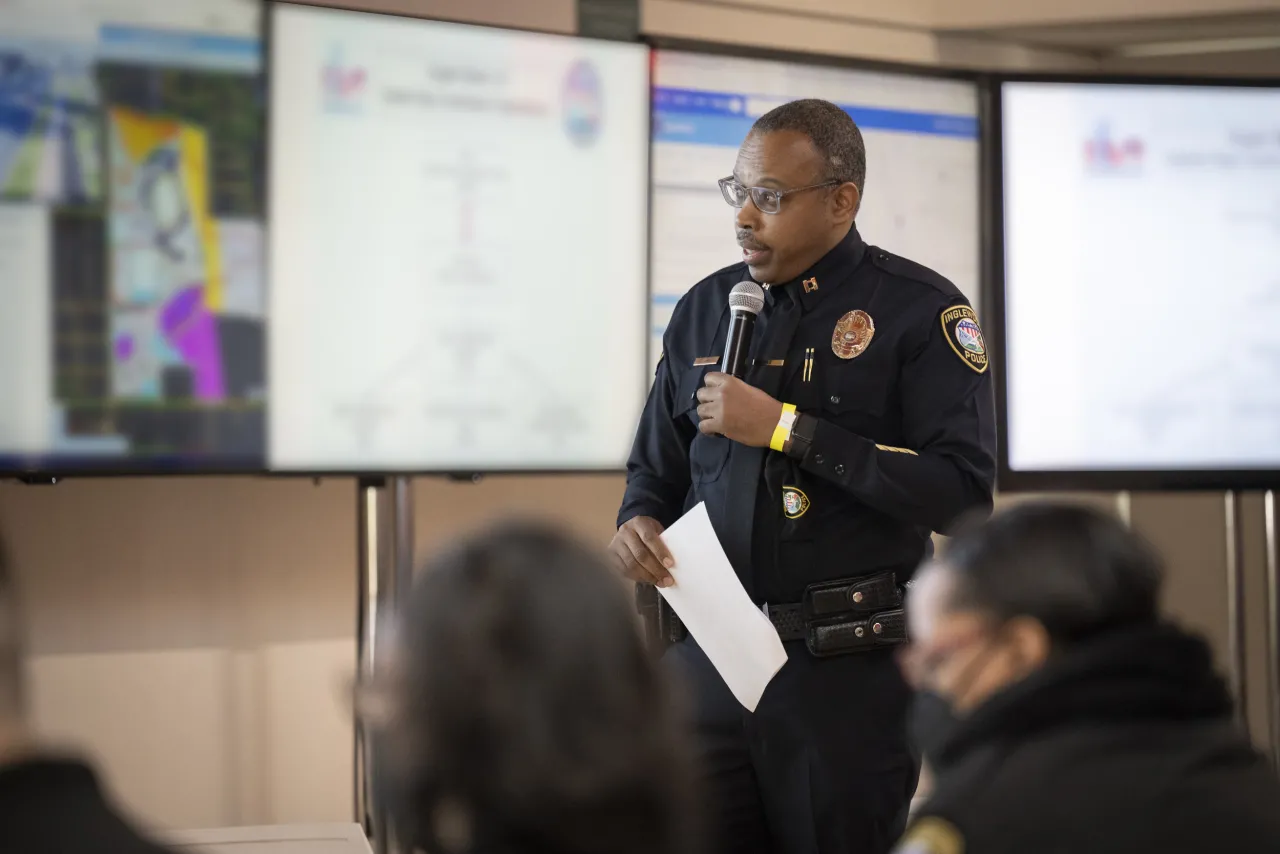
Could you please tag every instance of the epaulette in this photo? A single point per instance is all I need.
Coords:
(896, 265)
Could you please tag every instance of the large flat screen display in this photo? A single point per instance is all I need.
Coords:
(1141, 287)
(921, 135)
(131, 231)
(458, 244)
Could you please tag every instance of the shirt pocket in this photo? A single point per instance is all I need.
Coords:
(856, 396)
(707, 454)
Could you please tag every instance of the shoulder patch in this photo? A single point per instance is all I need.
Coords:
(961, 329)
(898, 266)
(794, 502)
(931, 835)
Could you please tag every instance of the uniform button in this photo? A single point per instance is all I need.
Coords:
(835, 398)
(819, 459)
(839, 469)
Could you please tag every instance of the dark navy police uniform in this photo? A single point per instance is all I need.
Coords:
(885, 358)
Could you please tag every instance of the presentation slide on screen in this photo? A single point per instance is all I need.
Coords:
(921, 134)
(131, 233)
(1142, 277)
(458, 246)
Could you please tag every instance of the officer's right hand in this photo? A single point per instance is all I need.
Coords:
(641, 553)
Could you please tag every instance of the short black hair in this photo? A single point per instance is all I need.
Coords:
(1077, 570)
(832, 131)
(542, 716)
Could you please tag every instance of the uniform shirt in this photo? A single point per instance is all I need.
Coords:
(887, 355)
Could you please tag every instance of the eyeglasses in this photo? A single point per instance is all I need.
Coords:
(767, 200)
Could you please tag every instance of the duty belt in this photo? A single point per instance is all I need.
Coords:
(833, 618)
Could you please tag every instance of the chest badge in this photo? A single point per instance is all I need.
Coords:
(853, 334)
(794, 502)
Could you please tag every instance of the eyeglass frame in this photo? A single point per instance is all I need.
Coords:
(781, 194)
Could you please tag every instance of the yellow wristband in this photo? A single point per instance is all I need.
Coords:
(782, 432)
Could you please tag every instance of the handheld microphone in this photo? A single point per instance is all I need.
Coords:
(745, 301)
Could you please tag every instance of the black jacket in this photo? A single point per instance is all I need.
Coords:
(888, 360)
(1124, 745)
(56, 807)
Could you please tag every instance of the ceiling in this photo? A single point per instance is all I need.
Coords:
(1226, 44)
(1215, 37)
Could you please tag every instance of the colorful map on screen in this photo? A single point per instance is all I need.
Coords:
(132, 297)
(49, 141)
(167, 264)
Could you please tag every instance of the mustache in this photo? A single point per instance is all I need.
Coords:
(747, 241)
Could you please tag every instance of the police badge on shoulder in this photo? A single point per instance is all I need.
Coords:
(960, 326)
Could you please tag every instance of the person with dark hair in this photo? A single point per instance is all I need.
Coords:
(1060, 712)
(863, 422)
(522, 713)
(49, 804)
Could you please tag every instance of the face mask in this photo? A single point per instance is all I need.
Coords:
(932, 719)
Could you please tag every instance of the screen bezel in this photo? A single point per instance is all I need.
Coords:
(1009, 479)
(642, 376)
(49, 467)
(979, 80)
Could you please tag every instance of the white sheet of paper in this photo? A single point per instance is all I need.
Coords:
(737, 637)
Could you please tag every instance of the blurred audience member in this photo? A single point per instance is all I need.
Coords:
(1061, 714)
(522, 713)
(48, 804)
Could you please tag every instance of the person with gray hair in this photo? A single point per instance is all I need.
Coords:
(861, 421)
(1060, 711)
(49, 804)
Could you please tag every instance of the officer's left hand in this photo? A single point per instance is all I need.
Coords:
(731, 408)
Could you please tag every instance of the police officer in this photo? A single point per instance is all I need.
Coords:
(864, 423)
(1061, 714)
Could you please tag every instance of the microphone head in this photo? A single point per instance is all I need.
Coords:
(746, 296)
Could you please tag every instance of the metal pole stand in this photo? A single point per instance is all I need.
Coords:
(1272, 522)
(1237, 640)
(384, 541)
(1124, 507)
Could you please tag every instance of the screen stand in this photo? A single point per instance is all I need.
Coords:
(384, 540)
(1272, 522)
(1124, 507)
(1236, 638)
